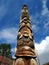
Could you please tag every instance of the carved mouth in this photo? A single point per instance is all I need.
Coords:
(26, 36)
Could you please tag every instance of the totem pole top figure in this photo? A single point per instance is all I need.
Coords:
(25, 44)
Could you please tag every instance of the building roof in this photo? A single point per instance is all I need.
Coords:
(46, 63)
(0, 58)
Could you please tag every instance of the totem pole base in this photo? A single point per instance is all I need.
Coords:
(24, 61)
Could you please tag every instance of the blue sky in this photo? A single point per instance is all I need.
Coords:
(10, 12)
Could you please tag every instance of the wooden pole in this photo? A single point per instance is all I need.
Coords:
(25, 53)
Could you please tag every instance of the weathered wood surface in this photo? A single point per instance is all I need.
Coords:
(25, 51)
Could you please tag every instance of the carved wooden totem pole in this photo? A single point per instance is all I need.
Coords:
(25, 50)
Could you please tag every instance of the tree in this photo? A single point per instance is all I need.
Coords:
(5, 50)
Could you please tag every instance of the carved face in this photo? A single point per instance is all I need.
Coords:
(24, 35)
(25, 39)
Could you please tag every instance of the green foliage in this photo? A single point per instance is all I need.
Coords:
(5, 50)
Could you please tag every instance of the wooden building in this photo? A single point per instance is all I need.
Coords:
(6, 60)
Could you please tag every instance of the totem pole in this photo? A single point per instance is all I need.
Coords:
(25, 50)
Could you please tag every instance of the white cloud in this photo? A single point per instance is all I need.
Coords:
(34, 18)
(4, 5)
(35, 28)
(3, 11)
(13, 50)
(8, 34)
(35, 22)
(46, 25)
(43, 50)
(13, 57)
(45, 9)
(45, 17)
